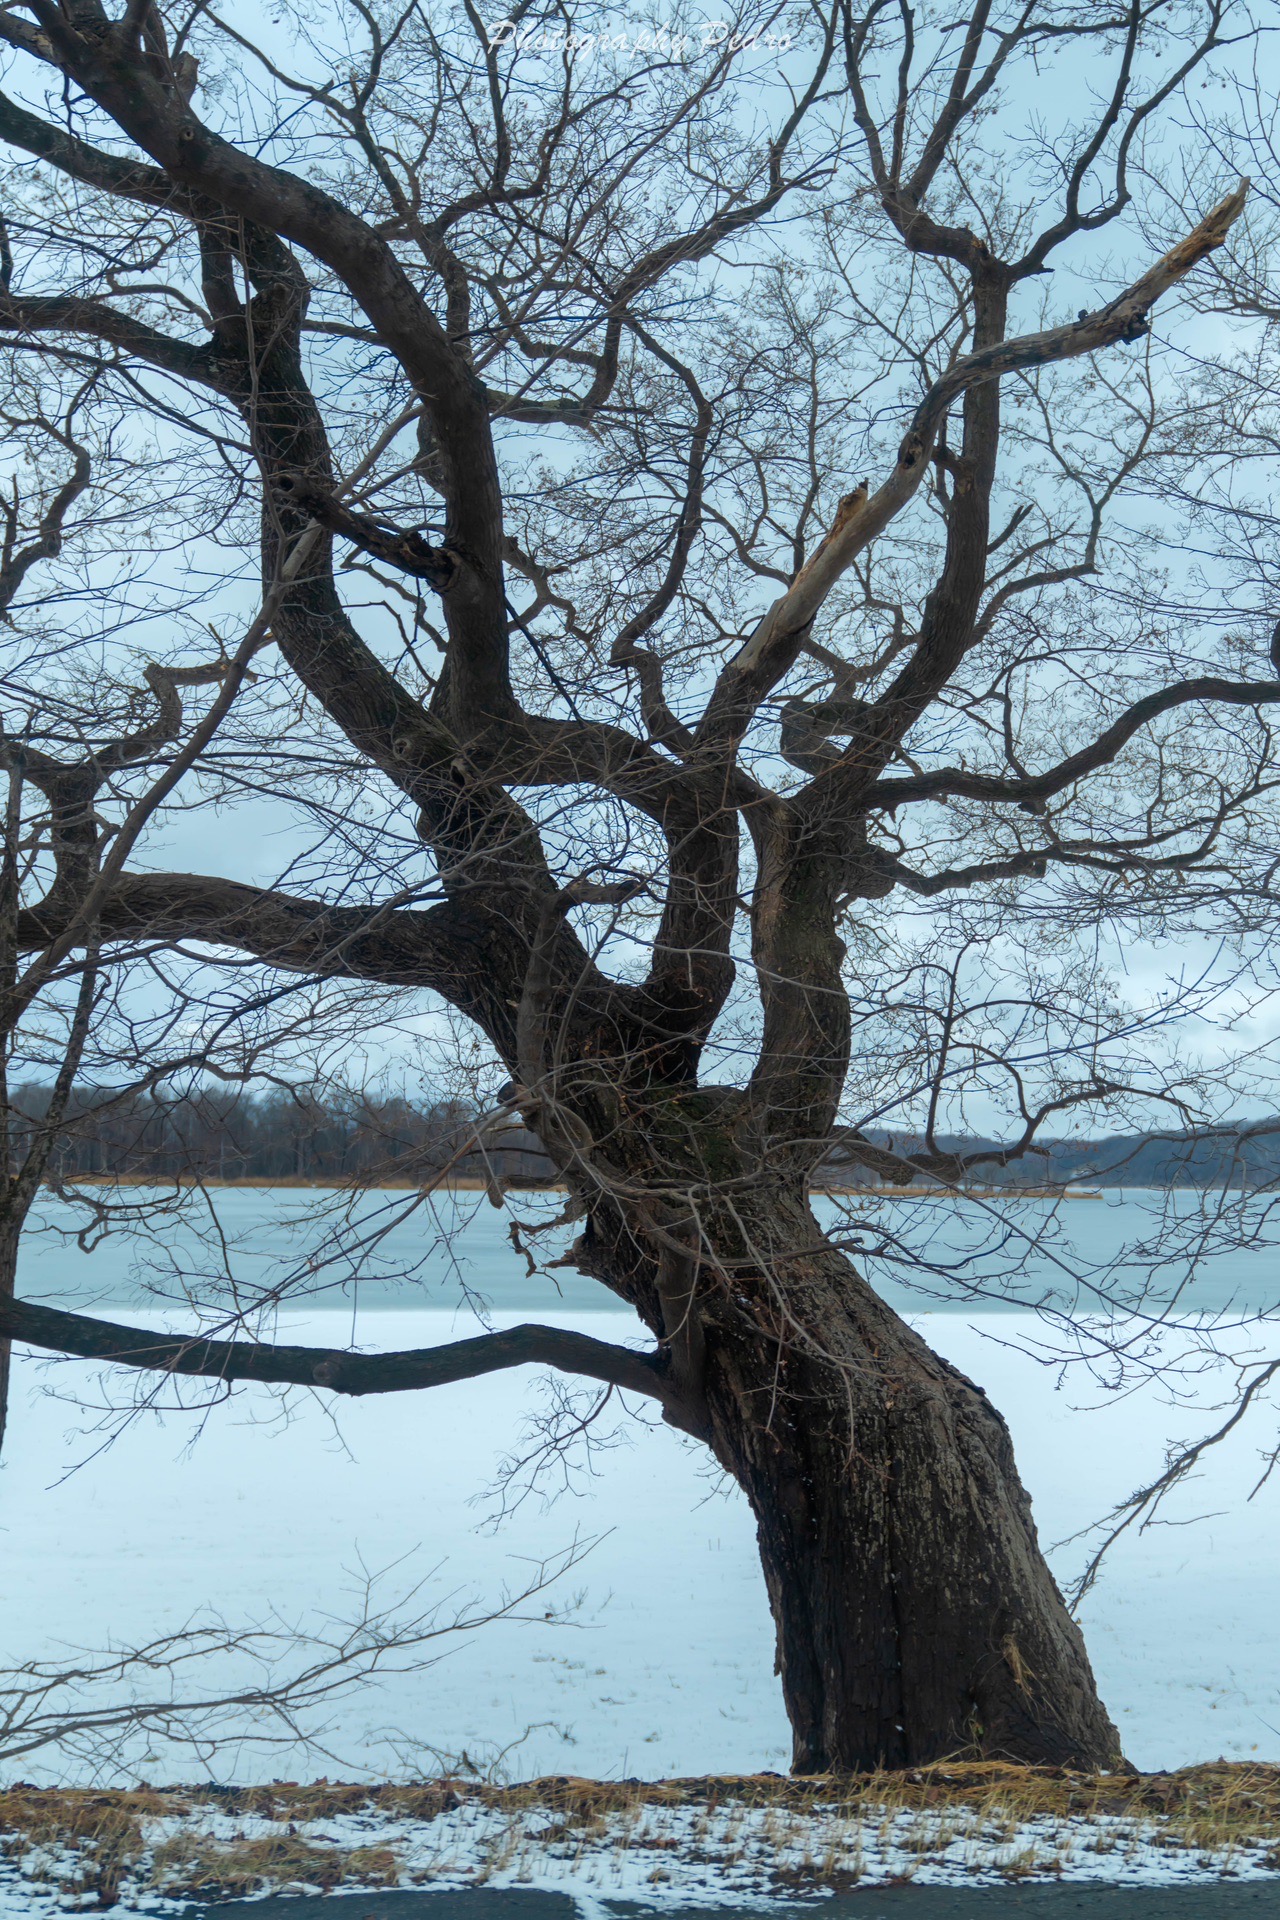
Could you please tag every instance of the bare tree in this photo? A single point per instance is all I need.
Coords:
(272, 1684)
(509, 394)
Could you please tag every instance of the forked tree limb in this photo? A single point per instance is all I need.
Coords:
(92, 53)
(28, 315)
(959, 783)
(772, 647)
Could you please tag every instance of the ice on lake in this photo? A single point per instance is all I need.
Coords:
(115, 1532)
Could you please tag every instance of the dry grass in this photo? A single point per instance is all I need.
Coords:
(91, 1844)
(85, 1843)
(200, 1868)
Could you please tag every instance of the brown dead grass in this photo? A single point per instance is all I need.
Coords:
(90, 1843)
(192, 1866)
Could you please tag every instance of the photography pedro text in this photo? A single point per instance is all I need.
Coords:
(713, 36)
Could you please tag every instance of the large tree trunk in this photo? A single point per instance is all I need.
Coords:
(916, 1616)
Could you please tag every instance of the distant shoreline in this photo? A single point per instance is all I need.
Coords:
(291, 1180)
(469, 1184)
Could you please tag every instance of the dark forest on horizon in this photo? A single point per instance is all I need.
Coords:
(366, 1139)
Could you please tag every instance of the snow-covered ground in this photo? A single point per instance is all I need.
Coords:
(665, 1666)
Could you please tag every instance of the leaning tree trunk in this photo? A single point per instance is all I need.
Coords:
(916, 1617)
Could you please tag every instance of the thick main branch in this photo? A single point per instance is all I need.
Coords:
(463, 950)
(355, 1374)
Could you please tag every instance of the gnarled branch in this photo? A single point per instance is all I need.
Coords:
(957, 783)
(773, 646)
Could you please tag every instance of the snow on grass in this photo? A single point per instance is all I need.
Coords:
(721, 1844)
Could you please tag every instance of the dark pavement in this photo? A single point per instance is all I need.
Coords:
(1225, 1900)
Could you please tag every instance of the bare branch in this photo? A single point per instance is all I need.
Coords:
(1034, 788)
(355, 1374)
(772, 647)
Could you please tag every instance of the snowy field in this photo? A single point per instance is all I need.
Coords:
(664, 1663)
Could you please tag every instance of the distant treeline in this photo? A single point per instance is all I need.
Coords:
(1250, 1157)
(218, 1134)
(228, 1135)
(1185, 1160)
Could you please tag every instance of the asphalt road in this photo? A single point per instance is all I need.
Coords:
(1250, 1900)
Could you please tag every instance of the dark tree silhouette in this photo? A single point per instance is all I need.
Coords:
(535, 381)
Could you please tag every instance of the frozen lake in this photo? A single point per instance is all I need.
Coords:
(395, 1249)
(117, 1529)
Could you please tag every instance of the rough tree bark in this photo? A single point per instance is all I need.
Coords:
(916, 1617)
